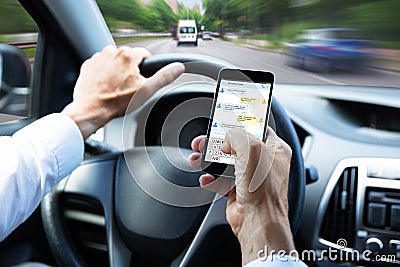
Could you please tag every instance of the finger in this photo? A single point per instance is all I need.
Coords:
(272, 138)
(136, 54)
(107, 50)
(140, 50)
(237, 141)
(265, 157)
(163, 77)
(198, 143)
(221, 185)
(206, 179)
(247, 149)
(195, 161)
(265, 160)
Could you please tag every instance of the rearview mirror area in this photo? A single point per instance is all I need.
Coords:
(15, 76)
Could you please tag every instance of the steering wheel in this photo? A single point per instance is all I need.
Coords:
(138, 223)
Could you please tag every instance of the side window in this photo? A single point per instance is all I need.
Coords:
(18, 35)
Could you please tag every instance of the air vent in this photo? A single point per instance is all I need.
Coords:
(86, 225)
(340, 215)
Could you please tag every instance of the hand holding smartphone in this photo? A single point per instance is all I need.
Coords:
(242, 100)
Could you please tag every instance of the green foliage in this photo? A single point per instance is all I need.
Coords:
(158, 16)
(379, 19)
(281, 20)
(274, 19)
(255, 15)
(190, 13)
(232, 14)
(14, 19)
(118, 12)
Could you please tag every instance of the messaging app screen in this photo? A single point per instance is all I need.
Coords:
(238, 105)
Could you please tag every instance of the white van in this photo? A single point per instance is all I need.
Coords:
(187, 32)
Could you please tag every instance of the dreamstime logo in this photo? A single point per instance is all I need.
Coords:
(343, 254)
(342, 243)
(163, 176)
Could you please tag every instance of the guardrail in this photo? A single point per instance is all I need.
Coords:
(23, 44)
(32, 44)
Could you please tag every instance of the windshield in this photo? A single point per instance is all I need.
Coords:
(300, 41)
(186, 30)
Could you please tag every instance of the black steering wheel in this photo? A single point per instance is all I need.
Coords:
(135, 222)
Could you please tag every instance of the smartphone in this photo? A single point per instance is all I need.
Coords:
(242, 100)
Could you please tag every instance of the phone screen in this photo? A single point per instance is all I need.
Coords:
(238, 104)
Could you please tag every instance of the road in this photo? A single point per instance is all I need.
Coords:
(252, 58)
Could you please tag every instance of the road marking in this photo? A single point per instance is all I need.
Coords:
(279, 68)
(318, 77)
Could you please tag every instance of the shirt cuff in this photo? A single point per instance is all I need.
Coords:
(60, 134)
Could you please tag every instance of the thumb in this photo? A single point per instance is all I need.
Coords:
(237, 141)
(160, 79)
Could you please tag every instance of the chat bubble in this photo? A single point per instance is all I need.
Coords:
(236, 91)
(235, 108)
(246, 119)
(232, 126)
(250, 100)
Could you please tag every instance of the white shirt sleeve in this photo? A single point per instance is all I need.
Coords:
(277, 261)
(32, 161)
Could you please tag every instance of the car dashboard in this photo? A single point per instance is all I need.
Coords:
(350, 135)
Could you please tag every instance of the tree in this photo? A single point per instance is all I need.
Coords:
(158, 16)
(190, 13)
(225, 14)
(121, 11)
(14, 19)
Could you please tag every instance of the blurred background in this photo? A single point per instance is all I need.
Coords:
(337, 42)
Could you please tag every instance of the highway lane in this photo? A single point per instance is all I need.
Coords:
(245, 57)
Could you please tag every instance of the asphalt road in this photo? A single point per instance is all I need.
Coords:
(252, 58)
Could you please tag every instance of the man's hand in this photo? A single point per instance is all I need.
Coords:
(107, 82)
(257, 208)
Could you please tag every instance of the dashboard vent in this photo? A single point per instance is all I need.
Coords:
(86, 224)
(339, 221)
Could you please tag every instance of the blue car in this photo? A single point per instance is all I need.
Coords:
(323, 50)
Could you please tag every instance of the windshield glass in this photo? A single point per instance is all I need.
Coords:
(301, 41)
(186, 30)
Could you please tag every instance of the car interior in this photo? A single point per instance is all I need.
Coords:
(344, 175)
